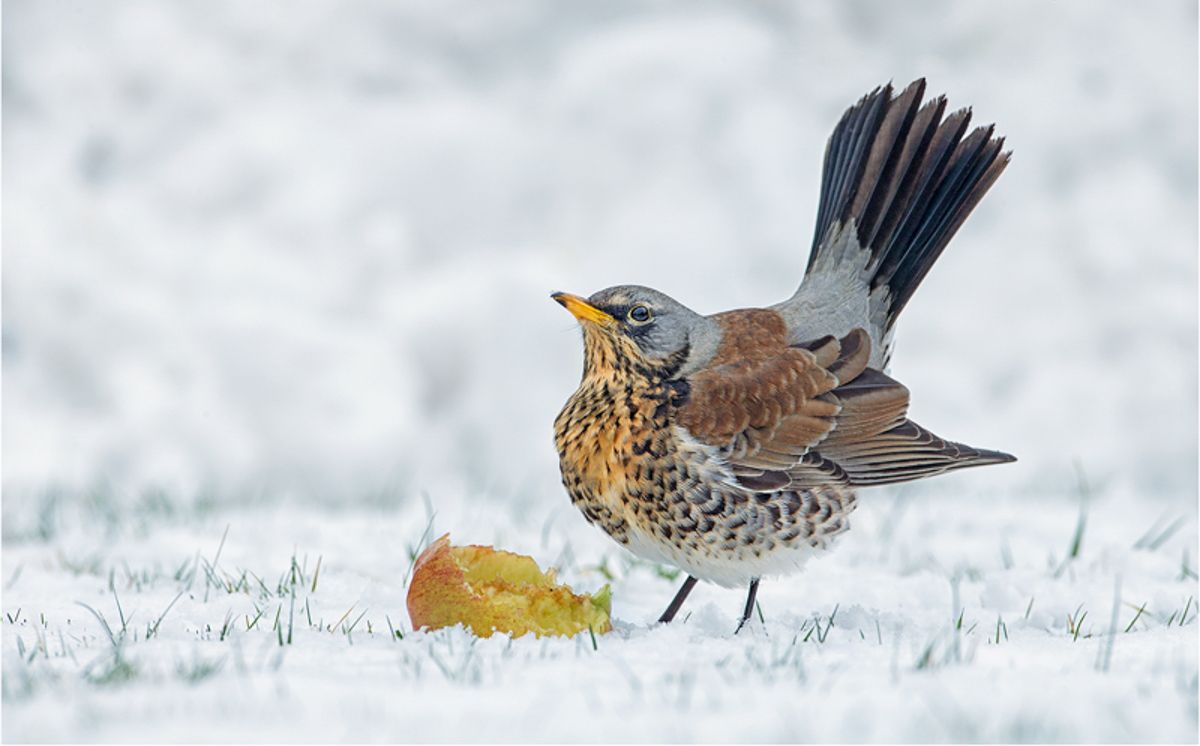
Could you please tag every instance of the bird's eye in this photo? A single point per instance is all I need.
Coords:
(639, 314)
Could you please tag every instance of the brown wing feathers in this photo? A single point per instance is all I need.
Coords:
(811, 414)
(757, 385)
(871, 403)
(906, 452)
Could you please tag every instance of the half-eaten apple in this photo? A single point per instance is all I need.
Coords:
(489, 590)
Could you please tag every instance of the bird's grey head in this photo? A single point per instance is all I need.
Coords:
(648, 327)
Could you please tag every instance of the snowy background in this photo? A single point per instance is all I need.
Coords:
(279, 273)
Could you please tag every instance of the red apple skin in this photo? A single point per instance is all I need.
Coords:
(439, 595)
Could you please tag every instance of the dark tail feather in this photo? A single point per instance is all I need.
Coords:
(908, 178)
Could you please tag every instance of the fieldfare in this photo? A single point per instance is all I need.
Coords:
(731, 446)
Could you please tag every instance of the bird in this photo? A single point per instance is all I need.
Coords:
(732, 446)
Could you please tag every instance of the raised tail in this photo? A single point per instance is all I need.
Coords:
(900, 180)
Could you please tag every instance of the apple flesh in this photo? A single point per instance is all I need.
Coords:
(489, 590)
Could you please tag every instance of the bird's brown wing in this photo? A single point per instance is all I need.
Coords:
(788, 417)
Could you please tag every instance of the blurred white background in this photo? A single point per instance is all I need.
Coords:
(276, 282)
(302, 250)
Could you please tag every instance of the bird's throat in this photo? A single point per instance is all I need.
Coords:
(615, 358)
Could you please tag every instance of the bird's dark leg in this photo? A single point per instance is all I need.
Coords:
(749, 605)
(676, 602)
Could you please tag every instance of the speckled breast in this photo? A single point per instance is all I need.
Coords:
(669, 498)
(619, 461)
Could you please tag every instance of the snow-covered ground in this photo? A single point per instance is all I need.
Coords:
(229, 657)
(281, 270)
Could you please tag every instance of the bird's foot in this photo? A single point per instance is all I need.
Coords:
(749, 606)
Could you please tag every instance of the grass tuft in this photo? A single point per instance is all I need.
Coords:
(1140, 610)
(1185, 570)
(414, 551)
(291, 614)
(118, 670)
(152, 628)
(357, 619)
(1154, 537)
(343, 618)
(1186, 608)
(112, 638)
(1075, 623)
(817, 629)
(925, 661)
(198, 670)
(1076, 547)
(251, 622)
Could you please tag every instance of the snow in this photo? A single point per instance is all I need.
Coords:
(893, 666)
(283, 269)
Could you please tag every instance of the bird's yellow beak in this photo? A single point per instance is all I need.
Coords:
(582, 310)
